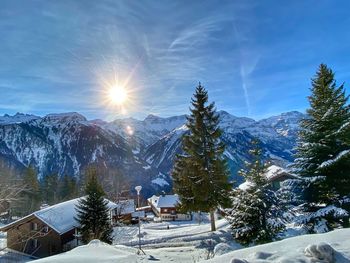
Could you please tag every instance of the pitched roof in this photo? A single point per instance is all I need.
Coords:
(59, 217)
(168, 200)
(125, 206)
(273, 173)
(164, 201)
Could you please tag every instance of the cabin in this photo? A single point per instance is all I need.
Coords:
(164, 207)
(46, 232)
(123, 212)
(275, 175)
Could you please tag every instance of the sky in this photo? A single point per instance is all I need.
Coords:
(255, 58)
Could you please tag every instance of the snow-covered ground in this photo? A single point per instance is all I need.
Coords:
(305, 248)
(330, 247)
(182, 242)
(191, 242)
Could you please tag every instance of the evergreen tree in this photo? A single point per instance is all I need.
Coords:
(50, 189)
(201, 174)
(68, 188)
(93, 212)
(323, 151)
(31, 194)
(255, 215)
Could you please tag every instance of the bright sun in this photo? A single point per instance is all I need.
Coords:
(118, 95)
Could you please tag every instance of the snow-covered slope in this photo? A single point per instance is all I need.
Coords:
(190, 242)
(147, 131)
(67, 144)
(95, 251)
(278, 135)
(306, 248)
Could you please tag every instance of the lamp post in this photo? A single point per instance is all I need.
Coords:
(138, 190)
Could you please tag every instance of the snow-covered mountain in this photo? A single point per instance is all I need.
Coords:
(278, 135)
(143, 149)
(67, 144)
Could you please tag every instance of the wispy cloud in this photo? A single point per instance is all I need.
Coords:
(60, 55)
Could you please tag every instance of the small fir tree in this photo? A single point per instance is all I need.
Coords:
(256, 214)
(201, 174)
(93, 212)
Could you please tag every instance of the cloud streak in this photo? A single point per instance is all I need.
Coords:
(60, 56)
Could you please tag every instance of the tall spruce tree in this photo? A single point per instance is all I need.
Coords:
(323, 151)
(68, 188)
(93, 213)
(256, 212)
(31, 194)
(50, 189)
(201, 174)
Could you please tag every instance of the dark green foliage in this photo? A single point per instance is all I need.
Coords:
(93, 212)
(50, 189)
(324, 147)
(256, 212)
(68, 188)
(31, 194)
(201, 175)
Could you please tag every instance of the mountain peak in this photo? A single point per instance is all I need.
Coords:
(152, 117)
(17, 118)
(64, 117)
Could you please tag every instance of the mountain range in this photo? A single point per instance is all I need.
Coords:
(143, 150)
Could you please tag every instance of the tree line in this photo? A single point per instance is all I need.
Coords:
(22, 192)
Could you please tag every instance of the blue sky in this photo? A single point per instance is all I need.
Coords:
(256, 58)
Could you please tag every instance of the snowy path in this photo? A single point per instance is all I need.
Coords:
(156, 235)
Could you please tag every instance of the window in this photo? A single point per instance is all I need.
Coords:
(34, 243)
(34, 226)
(45, 229)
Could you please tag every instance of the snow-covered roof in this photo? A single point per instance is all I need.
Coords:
(125, 206)
(163, 201)
(153, 200)
(273, 172)
(245, 186)
(59, 217)
(168, 200)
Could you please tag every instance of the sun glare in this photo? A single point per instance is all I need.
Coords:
(118, 95)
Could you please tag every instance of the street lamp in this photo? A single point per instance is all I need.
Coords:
(138, 190)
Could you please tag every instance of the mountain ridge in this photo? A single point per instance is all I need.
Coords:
(66, 143)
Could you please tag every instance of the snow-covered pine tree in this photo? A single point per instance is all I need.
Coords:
(255, 214)
(93, 213)
(323, 151)
(200, 174)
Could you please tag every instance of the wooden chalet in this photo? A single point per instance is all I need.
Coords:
(164, 207)
(46, 232)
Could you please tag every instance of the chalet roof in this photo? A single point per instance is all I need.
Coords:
(125, 207)
(168, 200)
(59, 217)
(272, 174)
(164, 201)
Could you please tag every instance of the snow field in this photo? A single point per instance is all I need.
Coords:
(327, 248)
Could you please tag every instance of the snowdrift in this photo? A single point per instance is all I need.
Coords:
(327, 248)
(95, 251)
